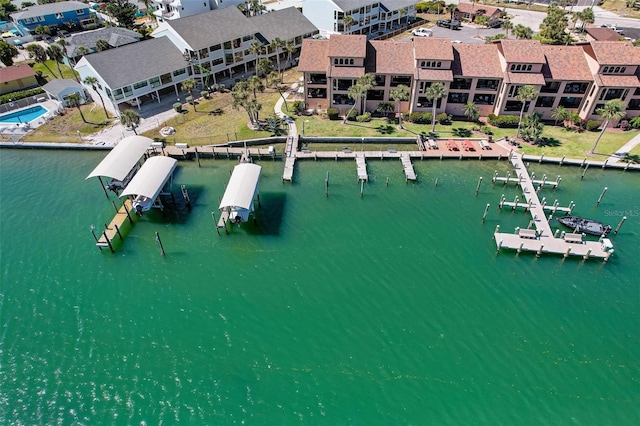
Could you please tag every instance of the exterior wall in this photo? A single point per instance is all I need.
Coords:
(19, 84)
(174, 9)
(63, 96)
(320, 13)
(54, 20)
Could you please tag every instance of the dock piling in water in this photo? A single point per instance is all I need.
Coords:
(478, 186)
(619, 225)
(486, 209)
(601, 195)
(159, 243)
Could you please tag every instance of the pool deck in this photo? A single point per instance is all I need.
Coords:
(21, 128)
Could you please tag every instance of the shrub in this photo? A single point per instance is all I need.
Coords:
(299, 107)
(486, 130)
(503, 121)
(419, 117)
(351, 115)
(205, 94)
(15, 96)
(177, 106)
(592, 125)
(443, 118)
(364, 117)
(333, 113)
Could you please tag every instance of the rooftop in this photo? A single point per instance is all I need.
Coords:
(353, 46)
(16, 72)
(476, 60)
(433, 48)
(388, 57)
(49, 9)
(565, 63)
(313, 56)
(522, 51)
(270, 25)
(614, 52)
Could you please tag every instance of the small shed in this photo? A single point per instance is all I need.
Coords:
(61, 88)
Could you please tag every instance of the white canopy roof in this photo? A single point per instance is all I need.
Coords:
(119, 162)
(242, 186)
(151, 177)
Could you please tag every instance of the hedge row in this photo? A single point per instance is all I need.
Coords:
(503, 121)
(16, 96)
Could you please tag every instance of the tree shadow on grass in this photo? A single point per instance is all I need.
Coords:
(386, 129)
(546, 141)
(633, 159)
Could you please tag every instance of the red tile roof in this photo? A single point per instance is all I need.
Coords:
(16, 72)
(476, 60)
(474, 9)
(390, 57)
(314, 56)
(524, 78)
(349, 72)
(522, 51)
(603, 34)
(433, 48)
(353, 46)
(615, 53)
(434, 75)
(616, 80)
(566, 63)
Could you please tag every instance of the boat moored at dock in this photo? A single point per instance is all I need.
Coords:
(583, 225)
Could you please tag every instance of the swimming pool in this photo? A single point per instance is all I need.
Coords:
(24, 115)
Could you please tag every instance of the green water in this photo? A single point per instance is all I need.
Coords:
(388, 309)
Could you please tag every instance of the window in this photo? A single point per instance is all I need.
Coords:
(551, 87)
(458, 98)
(214, 48)
(165, 78)
(461, 83)
(179, 72)
(236, 43)
(578, 88)
(227, 45)
(317, 93)
(228, 58)
(634, 104)
(128, 91)
(155, 81)
(217, 62)
(117, 94)
(481, 99)
(317, 79)
(545, 101)
(484, 84)
(350, 61)
(375, 95)
(380, 80)
(203, 53)
(516, 106)
(397, 80)
(247, 38)
(238, 57)
(140, 84)
(528, 67)
(80, 12)
(570, 102)
(59, 15)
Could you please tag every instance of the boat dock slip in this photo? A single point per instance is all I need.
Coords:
(541, 240)
(289, 164)
(409, 173)
(115, 225)
(361, 166)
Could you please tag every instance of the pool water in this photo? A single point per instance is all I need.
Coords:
(23, 116)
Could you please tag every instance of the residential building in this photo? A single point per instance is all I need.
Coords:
(580, 78)
(52, 15)
(176, 9)
(223, 50)
(601, 34)
(114, 36)
(212, 47)
(370, 17)
(470, 11)
(62, 88)
(17, 77)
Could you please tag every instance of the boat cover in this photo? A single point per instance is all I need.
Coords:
(151, 177)
(122, 158)
(242, 187)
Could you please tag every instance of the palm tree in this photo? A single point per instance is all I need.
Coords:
(612, 110)
(188, 85)
(399, 94)
(38, 54)
(451, 8)
(130, 118)
(481, 21)
(507, 25)
(74, 101)
(525, 93)
(256, 48)
(290, 48)
(435, 92)
(522, 33)
(276, 44)
(366, 81)
(348, 21)
(54, 52)
(102, 45)
(355, 92)
(402, 11)
(274, 80)
(560, 114)
(265, 67)
(256, 85)
(470, 110)
(82, 50)
(91, 81)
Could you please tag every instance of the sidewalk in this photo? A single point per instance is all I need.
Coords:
(626, 148)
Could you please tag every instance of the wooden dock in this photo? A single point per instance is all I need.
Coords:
(542, 240)
(289, 164)
(409, 173)
(361, 168)
(114, 227)
(224, 218)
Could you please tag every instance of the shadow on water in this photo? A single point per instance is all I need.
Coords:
(176, 209)
(269, 215)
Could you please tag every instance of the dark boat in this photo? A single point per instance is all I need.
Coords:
(587, 226)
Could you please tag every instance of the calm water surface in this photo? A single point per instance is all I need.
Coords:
(388, 309)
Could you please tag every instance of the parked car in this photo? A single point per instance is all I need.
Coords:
(422, 32)
(454, 24)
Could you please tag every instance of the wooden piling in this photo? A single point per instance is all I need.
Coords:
(484, 216)
(586, 256)
(213, 216)
(387, 182)
(197, 156)
(436, 184)
(539, 252)
(93, 232)
(361, 189)
(619, 225)
(107, 240)
(601, 195)
(478, 186)
(118, 231)
(584, 171)
(159, 244)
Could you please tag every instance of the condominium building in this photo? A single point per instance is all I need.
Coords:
(176, 9)
(580, 78)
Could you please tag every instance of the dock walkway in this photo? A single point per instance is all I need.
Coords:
(115, 225)
(542, 240)
(409, 173)
(361, 167)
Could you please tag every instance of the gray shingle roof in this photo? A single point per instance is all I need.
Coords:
(213, 27)
(115, 36)
(389, 4)
(136, 62)
(57, 85)
(49, 9)
(285, 23)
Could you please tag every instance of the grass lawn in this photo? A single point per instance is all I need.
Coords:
(50, 70)
(65, 128)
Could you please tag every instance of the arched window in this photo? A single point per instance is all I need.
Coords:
(335, 61)
(528, 67)
(350, 61)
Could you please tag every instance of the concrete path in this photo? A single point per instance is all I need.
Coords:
(626, 148)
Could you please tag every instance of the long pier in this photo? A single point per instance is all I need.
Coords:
(409, 173)
(542, 240)
(361, 168)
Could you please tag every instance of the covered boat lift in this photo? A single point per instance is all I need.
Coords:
(122, 163)
(147, 184)
(237, 203)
